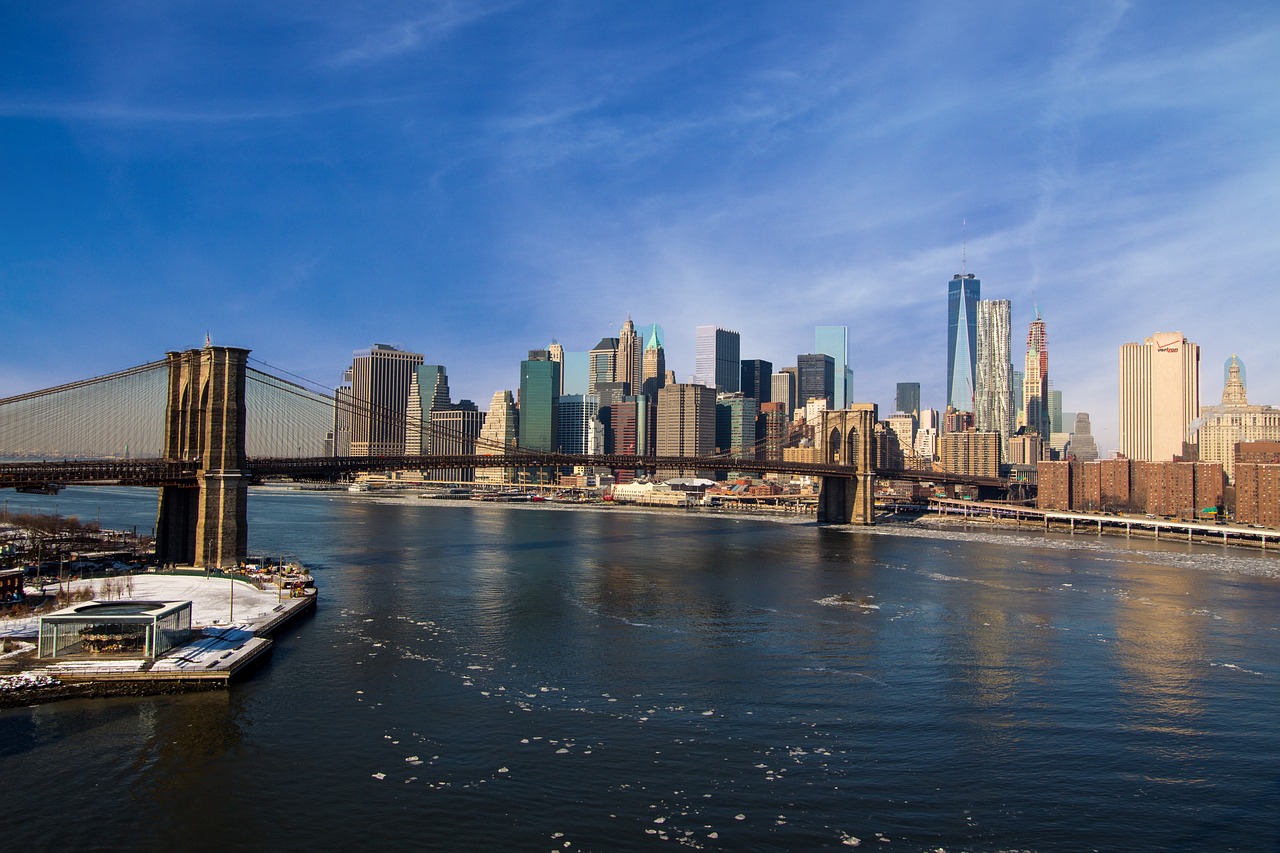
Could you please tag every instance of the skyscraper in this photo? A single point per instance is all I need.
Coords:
(653, 372)
(907, 399)
(736, 425)
(686, 422)
(603, 364)
(834, 341)
(1159, 396)
(556, 351)
(817, 378)
(379, 399)
(627, 362)
(993, 385)
(455, 429)
(578, 426)
(428, 392)
(962, 344)
(716, 358)
(784, 389)
(1035, 380)
(757, 380)
(499, 433)
(539, 379)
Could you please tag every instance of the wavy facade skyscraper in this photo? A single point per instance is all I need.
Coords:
(993, 386)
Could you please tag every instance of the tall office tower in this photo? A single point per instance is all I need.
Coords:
(817, 378)
(686, 423)
(539, 379)
(716, 358)
(757, 380)
(1082, 446)
(993, 386)
(428, 392)
(834, 341)
(907, 400)
(784, 389)
(1159, 396)
(653, 372)
(454, 432)
(578, 427)
(380, 378)
(962, 340)
(1019, 415)
(603, 361)
(1056, 423)
(339, 443)
(499, 433)
(1035, 380)
(629, 419)
(556, 351)
(627, 362)
(736, 425)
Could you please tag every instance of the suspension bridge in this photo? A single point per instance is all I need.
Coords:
(203, 424)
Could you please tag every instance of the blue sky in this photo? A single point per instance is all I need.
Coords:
(471, 180)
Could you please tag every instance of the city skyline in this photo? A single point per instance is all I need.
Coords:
(303, 182)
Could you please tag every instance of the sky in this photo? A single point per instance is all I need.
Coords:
(471, 180)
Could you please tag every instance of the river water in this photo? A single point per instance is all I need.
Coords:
(483, 677)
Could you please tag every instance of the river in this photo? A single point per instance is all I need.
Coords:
(487, 677)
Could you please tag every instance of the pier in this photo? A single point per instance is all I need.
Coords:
(1152, 527)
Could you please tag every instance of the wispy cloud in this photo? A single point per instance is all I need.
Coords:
(408, 36)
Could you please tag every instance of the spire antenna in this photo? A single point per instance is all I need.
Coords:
(964, 247)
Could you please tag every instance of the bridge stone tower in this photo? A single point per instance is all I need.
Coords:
(848, 438)
(205, 423)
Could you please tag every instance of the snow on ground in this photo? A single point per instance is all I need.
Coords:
(211, 599)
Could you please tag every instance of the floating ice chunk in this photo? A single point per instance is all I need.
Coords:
(561, 751)
(503, 770)
(524, 740)
(708, 713)
(713, 835)
(739, 816)
(379, 776)
(849, 840)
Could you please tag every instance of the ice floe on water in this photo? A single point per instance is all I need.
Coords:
(856, 602)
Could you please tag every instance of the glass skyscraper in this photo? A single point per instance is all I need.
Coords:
(907, 399)
(963, 294)
(539, 381)
(717, 354)
(834, 341)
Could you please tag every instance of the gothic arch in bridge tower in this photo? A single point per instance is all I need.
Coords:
(206, 525)
(849, 441)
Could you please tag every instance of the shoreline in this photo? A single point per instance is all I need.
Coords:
(930, 521)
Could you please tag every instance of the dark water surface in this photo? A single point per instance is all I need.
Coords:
(482, 677)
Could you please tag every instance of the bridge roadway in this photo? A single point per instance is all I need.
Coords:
(163, 472)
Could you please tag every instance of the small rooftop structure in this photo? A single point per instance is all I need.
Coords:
(115, 628)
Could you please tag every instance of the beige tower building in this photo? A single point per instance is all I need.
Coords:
(500, 431)
(686, 422)
(1159, 396)
(1225, 426)
(556, 351)
(627, 359)
(379, 399)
